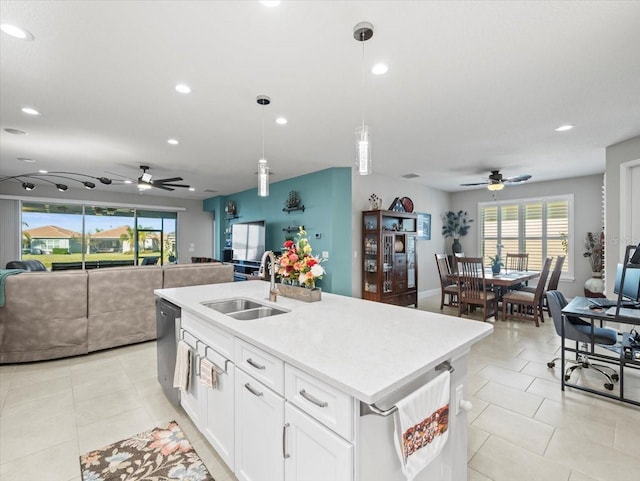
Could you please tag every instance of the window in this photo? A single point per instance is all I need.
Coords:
(70, 236)
(541, 227)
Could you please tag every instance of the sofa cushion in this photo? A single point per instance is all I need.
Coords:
(180, 275)
(44, 317)
(122, 305)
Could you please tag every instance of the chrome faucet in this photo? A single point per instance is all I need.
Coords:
(273, 290)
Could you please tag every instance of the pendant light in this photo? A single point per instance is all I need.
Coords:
(263, 165)
(363, 32)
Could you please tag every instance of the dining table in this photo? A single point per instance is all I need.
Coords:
(503, 280)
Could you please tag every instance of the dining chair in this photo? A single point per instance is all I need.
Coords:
(454, 261)
(447, 287)
(472, 288)
(516, 262)
(527, 305)
(576, 329)
(554, 279)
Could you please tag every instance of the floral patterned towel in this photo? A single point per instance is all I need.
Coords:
(160, 454)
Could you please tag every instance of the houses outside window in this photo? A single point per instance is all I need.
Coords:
(85, 236)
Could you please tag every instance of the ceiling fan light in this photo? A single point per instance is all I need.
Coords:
(144, 186)
(495, 186)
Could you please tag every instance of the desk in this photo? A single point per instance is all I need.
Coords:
(579, 307)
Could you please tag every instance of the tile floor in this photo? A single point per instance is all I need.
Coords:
(521, 427)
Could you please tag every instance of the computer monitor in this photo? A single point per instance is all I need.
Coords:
(631, 288)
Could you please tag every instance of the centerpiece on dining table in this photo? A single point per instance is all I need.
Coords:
(299, 269)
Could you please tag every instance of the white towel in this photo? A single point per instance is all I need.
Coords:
(208, 374)
(183, 366)
(422, 425)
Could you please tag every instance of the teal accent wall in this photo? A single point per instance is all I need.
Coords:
(326, 195)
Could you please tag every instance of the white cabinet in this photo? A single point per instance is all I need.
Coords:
(193, 400)
(259, 431)
(220, 409)
(313, 452)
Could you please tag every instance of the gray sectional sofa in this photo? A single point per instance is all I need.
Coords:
(50, 315)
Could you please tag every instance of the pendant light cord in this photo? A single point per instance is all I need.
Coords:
(263, 132)
(363, 93)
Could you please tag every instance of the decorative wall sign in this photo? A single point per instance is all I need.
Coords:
(396, 205)
(424, 226)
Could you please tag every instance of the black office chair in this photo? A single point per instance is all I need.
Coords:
(149, 261)
(579, 330)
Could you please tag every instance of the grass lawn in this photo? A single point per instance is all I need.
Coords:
(47, 259)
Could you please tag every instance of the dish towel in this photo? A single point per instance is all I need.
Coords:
(422, 425)
(208, 374)
(183, 366)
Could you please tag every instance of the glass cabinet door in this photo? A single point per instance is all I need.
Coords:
(371, 263)
(411, 261)
(387, 262)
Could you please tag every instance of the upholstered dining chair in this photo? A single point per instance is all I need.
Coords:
(472, 288)
(447, 287)
(576, 329)
(527, 305)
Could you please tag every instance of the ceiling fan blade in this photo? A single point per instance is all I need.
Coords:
(172, 179)
(176, 185)
(160, 186)
(475, 183)
(517, 178)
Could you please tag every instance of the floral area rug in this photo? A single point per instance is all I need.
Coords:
(160, 454)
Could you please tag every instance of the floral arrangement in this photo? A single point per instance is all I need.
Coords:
(594, 243)
(296, 264)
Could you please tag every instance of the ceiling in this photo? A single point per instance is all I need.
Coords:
(471, 87)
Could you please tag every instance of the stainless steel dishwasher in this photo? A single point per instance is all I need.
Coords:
(167, 325)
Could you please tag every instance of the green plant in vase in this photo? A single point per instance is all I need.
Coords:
(496, 263)
(456, 225)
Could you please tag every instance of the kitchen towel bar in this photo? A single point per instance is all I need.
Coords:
(196, 356)
(366, 409)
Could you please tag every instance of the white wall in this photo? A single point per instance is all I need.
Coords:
(425, 199)
(616, 235)
(195, 227)
(587, 192)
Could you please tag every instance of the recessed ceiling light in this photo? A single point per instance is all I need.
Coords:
(270, 3)
(564, 128)
(16, 32)
(281, 120)
(15, 131)
(192, 189)
(379, 69)
(173, 141)
(42, 171)
(30, 111)
(183, 88)
(127, 181)
(25, 159)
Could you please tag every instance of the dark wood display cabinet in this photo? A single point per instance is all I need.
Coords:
(389, 270)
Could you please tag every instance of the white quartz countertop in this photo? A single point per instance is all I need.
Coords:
(366, 349)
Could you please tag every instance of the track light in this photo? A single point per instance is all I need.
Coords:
(45, 176)
(28, 186)
(104, 180)
(89, 185)
(61, 187)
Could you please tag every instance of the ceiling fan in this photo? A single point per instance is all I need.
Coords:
(146, 181)
(497, 182)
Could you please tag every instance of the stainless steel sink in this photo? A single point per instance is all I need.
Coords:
(257, 313)
(243, 309)
(232, 305)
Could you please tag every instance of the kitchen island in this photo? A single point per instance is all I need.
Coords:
(298, 392)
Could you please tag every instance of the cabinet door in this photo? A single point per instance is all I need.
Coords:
(220, 416)
(313, 451)
(194, 399)
(259, 423)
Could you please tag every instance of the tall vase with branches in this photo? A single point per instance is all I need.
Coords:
(456, 225)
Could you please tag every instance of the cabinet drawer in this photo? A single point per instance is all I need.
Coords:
(218, 339)
(325, 403)
(260, 364)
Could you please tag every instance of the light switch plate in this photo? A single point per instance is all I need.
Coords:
(325, 255)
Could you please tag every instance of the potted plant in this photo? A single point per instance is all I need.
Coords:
(456, 225)
(496, 263)
(594, 246)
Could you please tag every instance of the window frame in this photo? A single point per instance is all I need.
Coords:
(569, 275)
